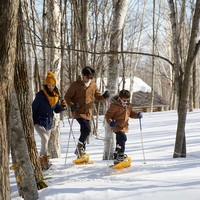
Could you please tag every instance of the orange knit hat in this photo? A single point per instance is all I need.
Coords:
(50, 78)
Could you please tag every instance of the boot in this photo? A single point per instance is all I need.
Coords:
(80, 150)
(115, 155)
(44, 161)
(116, 152)
(120, 158)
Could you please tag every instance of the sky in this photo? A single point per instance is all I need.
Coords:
(154, 173)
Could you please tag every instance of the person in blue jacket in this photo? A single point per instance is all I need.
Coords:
(44, 105)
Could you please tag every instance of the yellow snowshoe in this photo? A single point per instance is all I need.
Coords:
(84, 159)
(123, 164)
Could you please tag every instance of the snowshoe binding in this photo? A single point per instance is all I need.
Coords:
(82, 157)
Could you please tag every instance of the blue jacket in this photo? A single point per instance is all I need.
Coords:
(43, 112)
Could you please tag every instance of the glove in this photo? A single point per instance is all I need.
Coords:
(139, 115)
(63, 105)
(106, 94)
(74, 107)
(113, 124)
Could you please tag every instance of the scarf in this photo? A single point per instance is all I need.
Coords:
(53, 99)
(86, 84)
(123, 104)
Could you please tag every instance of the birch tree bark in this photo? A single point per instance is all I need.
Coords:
(33, 40)
(54, 63)
(8, 35)
(136, 58)
(84, 31)
(119, 14)
(44, 36)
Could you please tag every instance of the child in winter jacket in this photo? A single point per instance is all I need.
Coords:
(44, 105)
(117, 117)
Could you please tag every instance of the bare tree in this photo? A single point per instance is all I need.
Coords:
(22, 165)
(84, 31)
(119, 13)
(8, 35)
(153, 58)
(135, 60)
(54, 63)
(24, 101)
(182, 78)
(33, 40)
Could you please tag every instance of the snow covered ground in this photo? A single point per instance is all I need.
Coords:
(161, 178)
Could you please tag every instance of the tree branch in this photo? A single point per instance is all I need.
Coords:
(109, 52)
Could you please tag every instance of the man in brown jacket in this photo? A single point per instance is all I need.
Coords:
(117, 117)
(80, 98)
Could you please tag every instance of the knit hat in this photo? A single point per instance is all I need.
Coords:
(50, 78)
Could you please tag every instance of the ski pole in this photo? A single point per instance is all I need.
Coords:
(142, 140)
(70, 132)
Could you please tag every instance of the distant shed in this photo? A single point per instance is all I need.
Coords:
(142, 102)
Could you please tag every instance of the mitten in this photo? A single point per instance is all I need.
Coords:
(113, 124)
(106, 94)
(74, 107)
(139, 115)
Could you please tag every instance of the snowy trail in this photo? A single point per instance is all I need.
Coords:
(161, 178)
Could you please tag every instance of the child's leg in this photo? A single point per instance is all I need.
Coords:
(120, 146)
(120, 142)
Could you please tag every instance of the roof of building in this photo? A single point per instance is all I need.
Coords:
(144, 99)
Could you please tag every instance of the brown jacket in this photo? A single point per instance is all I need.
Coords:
(121, 115)
(83, 97)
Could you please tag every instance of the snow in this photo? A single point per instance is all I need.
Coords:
(161, 178)
(139, 84)
(154, 175)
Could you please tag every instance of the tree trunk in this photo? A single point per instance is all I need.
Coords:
(119, 13)
(84, 31)
(33, 42)
(153, 59)
(54, 19)
(22, 165)
(180, 145)
(195, 86)
(23, 97)
(63, 45)
(135, 60)
(8, 30)
(44, 36)
(176, 52)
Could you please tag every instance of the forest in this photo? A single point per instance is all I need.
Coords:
(157, 41)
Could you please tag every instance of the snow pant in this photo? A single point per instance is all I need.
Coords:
(121, 139)
(85, 129)
(44, 135)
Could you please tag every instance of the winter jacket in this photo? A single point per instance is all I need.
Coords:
(43, 112)
(83, 97)
(120, 114)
